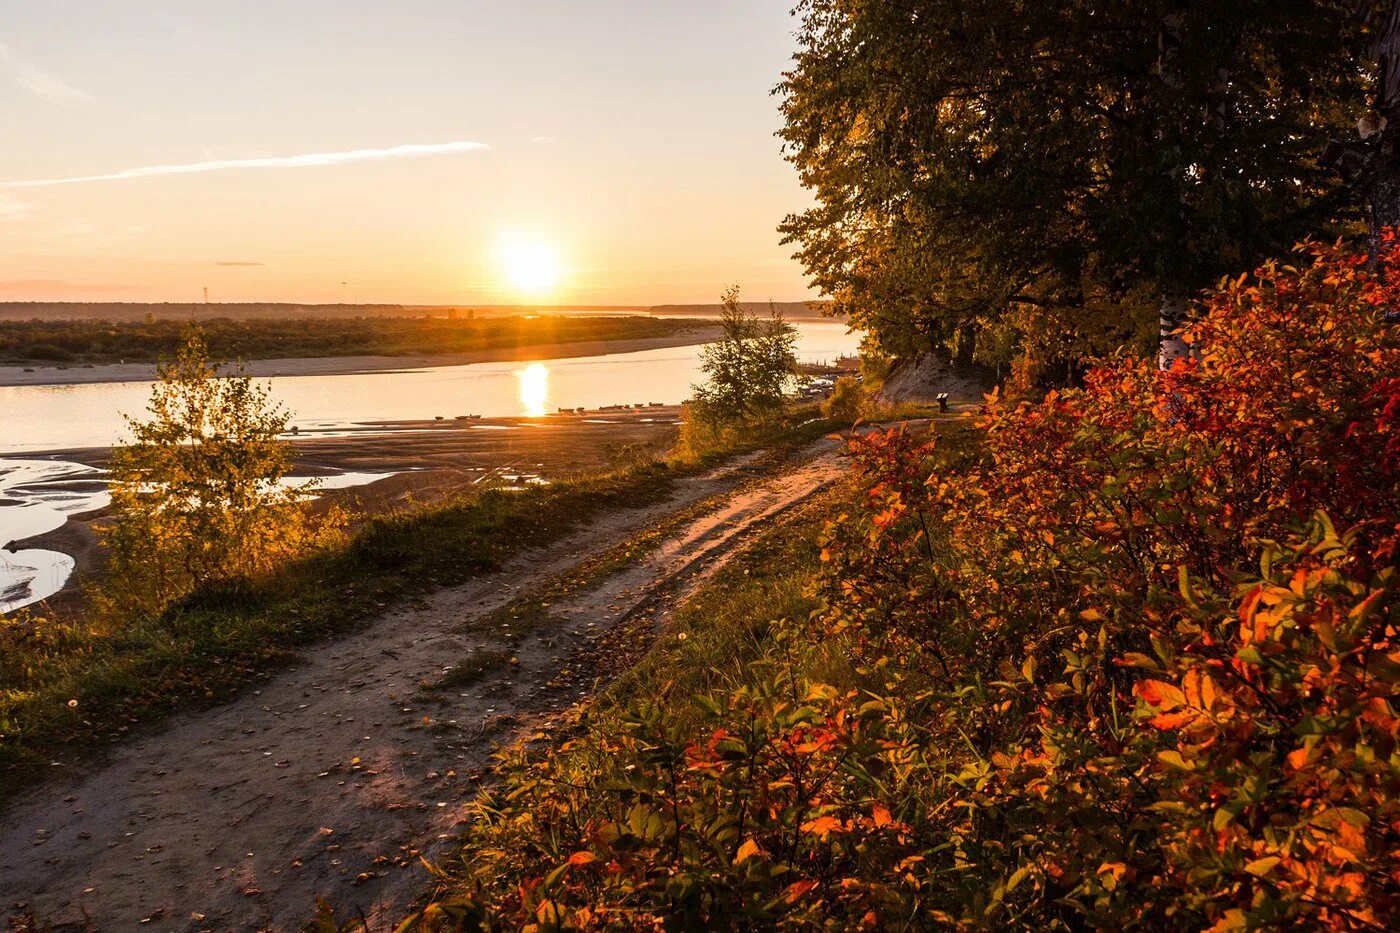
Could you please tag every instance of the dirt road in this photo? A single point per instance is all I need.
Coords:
(326, 778)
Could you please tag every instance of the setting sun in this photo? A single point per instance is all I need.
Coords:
(529, 264)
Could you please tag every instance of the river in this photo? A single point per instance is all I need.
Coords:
(64, 417)
(38, 495)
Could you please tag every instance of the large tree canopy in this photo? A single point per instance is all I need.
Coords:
(987, 170)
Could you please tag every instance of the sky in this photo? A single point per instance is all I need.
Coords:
(418, 152)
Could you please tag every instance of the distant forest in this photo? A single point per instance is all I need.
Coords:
(792, 310)
(97, 341)
(271, 311)
(188, 311)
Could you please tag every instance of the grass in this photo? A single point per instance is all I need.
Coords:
(713, 641)
(470, 670)
(724, 626)
(722, 629)
(530, 608)
(66, 682)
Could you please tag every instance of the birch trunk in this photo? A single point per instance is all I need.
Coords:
(1170, 346)
(1383, 200)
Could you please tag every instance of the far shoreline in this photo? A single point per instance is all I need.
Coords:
(16, 375)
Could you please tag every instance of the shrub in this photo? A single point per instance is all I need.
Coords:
(749, 370)
(749, 373)
(1131, 664)
(47, 351)
(200, 496)
(1150, 730)
(846, 400)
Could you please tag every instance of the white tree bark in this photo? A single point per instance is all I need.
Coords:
(1170, 346)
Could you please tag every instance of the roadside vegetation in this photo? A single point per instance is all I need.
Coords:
(91, 341)
(1122, 657)
(81, 678)
(219, 571)
(1118, 650)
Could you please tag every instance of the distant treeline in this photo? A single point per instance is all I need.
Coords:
(91, 341)
(186, 311)
(792, 310)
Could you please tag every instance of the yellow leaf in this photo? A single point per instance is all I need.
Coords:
(1261, 866)
(822, 826)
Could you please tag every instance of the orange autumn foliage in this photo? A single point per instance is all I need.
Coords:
(1130, 660)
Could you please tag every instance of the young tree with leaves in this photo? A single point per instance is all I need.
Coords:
(199, 494)
(749, 373)
(750, 368)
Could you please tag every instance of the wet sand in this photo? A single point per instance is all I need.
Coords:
(430, 460)
(16, 375)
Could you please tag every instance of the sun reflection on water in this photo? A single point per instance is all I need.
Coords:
(534, 389)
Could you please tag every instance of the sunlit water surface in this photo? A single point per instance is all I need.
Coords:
(36, 418)
(37, 496)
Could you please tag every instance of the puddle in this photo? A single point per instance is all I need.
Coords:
(39, 496)
(341, 480)
(36, 497)
(29, 576)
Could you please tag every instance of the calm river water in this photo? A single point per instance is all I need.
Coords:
(38, 495)
(34, 418)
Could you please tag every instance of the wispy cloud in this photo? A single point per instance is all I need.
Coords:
(49, 87)
(12, 210)
(41, 83)
(307, 160)
(226, 262)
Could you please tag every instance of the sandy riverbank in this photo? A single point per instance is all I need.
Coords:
(429, 461)
(14, 375)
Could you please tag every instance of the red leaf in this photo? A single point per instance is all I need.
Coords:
(1160, 694)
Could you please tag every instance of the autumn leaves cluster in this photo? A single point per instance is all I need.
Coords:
(1123, 656)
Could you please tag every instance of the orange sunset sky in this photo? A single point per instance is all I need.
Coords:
(424, 151)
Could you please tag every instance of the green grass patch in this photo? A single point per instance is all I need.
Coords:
(467, 673)
(725, 626)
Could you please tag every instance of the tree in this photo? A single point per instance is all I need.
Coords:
(199, 494)
(1063, 165)
(1372, 166)
(750, 369)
